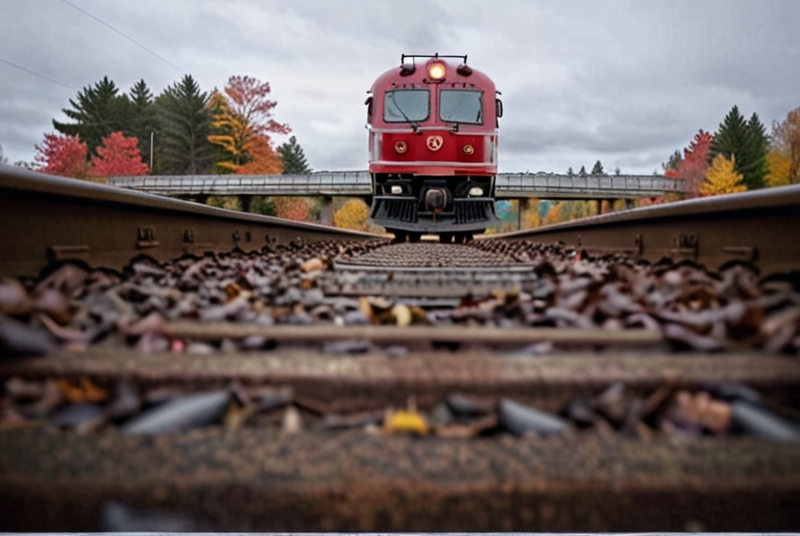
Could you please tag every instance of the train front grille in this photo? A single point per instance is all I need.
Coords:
(473, 211)
(402, 210)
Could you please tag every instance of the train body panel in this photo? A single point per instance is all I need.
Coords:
(433, 144)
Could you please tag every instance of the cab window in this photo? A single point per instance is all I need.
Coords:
(461, 106)
(406, 105)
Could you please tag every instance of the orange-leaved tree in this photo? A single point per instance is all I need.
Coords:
(118, 155)
(63, 155)
(778, 168)
(786, 139)
(242, 122)
(291, 208)
(722, 177)
(353, 215)
(694, 165)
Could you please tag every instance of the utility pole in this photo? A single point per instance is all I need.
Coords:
(151, 150)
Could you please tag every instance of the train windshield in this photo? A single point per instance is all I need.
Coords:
(461, 106)
(406, 105)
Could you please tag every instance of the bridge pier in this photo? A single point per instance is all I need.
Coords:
(630, 203)
(245, 201)
(202, 199)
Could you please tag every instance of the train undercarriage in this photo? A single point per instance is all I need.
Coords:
(453, 207)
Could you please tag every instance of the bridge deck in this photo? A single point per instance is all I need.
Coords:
(358, 183)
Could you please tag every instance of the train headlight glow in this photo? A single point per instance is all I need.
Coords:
(476, 191)
(397, 190)
(400, 146)
(469, 149)
(436, 71)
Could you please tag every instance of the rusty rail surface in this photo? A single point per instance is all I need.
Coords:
(46, 218)
(752, 227)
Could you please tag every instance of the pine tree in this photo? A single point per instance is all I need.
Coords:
(98, 111)
(673, 162)
(144, 119)
(3, 159)
(722, 177)
(744, 141)
(184, 148)
(294, 160)
(582, 172)
(617, 171)
(755, 170)
(598, 169)
(570, 173)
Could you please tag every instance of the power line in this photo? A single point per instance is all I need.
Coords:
(34, 73)
(129, 38)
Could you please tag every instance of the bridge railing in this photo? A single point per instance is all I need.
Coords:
(358, 183)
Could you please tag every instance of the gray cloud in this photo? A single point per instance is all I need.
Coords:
(623, 81)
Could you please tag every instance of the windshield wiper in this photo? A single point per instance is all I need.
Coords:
(413, 124)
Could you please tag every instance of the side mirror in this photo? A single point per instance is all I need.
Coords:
(499, 105)
(368, 102)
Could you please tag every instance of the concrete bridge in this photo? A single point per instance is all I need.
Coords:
(358, 184)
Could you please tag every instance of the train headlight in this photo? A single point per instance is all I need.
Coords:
(468, 149)
(400, 146)
(396, 190)
(476, 191)
(436, 71)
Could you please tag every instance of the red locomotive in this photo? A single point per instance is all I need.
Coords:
(433, 148)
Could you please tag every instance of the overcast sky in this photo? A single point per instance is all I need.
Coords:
(626, 82)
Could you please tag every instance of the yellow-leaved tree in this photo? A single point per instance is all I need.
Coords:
(778, 168)
(242, 121)
(722, 178)
(353, 215)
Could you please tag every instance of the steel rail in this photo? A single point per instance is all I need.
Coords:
(46, 218)
(754, 227)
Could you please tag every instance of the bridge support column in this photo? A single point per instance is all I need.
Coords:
(245, 201)
(326, 211)
(630, 203)
(202, 199)
(520, 208)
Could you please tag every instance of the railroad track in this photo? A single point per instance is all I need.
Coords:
(315, 379)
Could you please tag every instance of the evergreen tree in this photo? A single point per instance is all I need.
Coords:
(98, 111)
(294, 160)
(673, 162)
(570, 173)
(617, 171)
(582, 172)
(143, 117)
(757, 151)
(745, 143)
(184, 148)
(3, 159)
(598, 169)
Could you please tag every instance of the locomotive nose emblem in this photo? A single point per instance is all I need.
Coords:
(435, 142)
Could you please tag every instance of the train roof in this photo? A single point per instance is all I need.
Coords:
(416, 70)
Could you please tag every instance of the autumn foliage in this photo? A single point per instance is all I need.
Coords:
(242, 122)
(62, 155)
(722, 177)
(118, 155)
(291, 208)
(353, 215)
(694, 165)
(786, 137)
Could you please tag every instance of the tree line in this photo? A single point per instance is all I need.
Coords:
(182, 131)
(739, 156)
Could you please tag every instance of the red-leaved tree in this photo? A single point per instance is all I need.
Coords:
(694, 166)
(291, 208)
(62, 155)
(118, 156)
